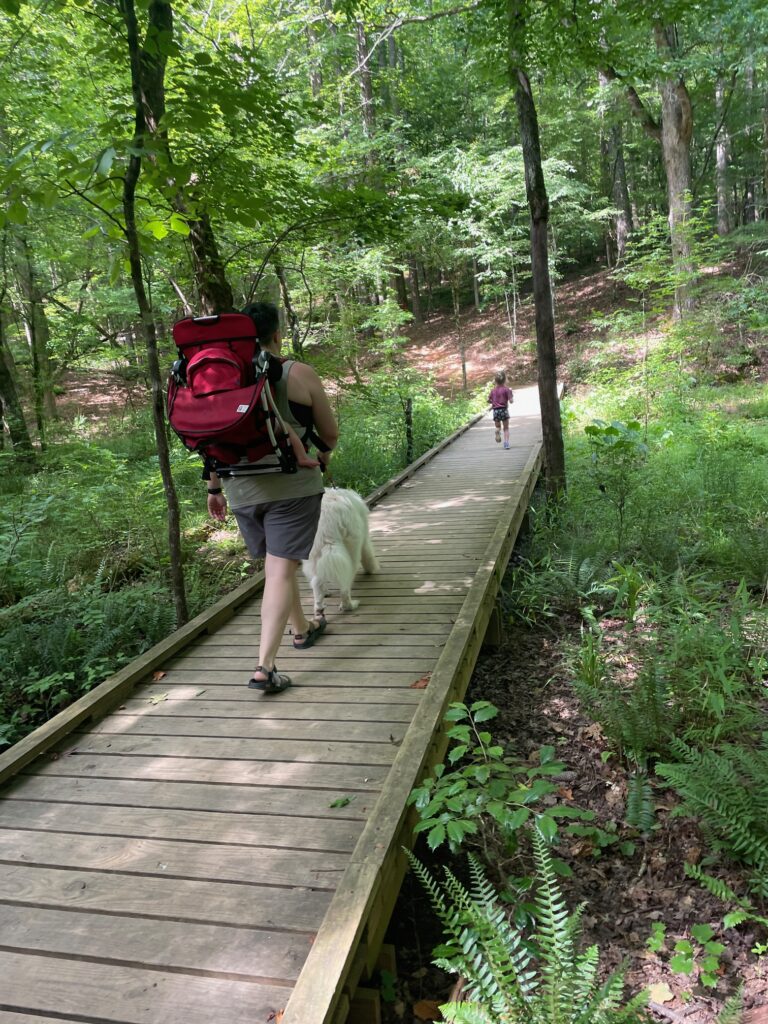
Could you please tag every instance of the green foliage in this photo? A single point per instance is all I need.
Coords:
(540, 978)
(726, 789)
(700, 954)
(57, 645)
(618, 453)
(489, 792)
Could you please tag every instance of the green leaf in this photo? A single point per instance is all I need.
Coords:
(17, 212)
(157, 227)
(436, 837)
(517, 818)
(91, 233)
(681, 964)
(735, 918)
(455, 832)
(547, 826)
(179, 225)
(104, 164)
(702, 932)
(342, 801)
(10, 6)
(483, 711)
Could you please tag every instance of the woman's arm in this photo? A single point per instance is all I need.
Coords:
(305, 386)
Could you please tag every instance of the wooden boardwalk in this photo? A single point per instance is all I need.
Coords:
(204, 853)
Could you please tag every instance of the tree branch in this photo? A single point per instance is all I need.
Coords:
(639, 109)
(414, 19)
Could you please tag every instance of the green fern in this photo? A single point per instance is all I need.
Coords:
(733, 1009)
(514, 979)
(725, 789)
(640, 812)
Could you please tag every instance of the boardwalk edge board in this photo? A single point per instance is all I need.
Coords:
(116, 688)
(361, 907)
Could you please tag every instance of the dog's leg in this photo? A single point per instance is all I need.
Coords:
(319, 596)
(348, 603)
(368, 557)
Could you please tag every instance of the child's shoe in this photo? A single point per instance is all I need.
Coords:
(506, 444)
(498, 435)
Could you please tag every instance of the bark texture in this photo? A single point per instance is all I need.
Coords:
(10, 404)
(538, 204)
(141, 132)
(676, 135)
(722, 147)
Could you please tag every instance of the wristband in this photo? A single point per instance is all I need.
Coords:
(214, 490)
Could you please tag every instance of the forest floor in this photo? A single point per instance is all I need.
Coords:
(527, 679)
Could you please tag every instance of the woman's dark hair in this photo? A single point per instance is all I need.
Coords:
(266, 318)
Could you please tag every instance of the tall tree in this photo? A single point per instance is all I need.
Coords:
(538, 205)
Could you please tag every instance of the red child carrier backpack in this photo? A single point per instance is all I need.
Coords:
(220, 400)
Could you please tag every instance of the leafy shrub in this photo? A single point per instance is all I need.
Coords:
(56, 646)
(514, 978)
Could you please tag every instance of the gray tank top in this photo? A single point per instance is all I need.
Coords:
(243, 491)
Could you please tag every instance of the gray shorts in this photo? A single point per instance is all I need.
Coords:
(285, 529)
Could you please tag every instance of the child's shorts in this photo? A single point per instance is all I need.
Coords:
(500, 415)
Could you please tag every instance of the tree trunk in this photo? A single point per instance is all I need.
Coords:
(366, 91)
(293, 320)
(408, 414)
(538, 204)
(315, 67)
(139, 89)
(38, 336)
(413, 275)
(459, 332)
(475, 286)
(615, 185)
(397, 283)
(721, 163)
(676, 134)
(10, 404)
(392, 60)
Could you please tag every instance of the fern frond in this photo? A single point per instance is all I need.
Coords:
(640, 811)
(733, 1009)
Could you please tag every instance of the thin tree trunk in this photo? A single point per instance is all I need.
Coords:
(392, 60)
(138, 84)
(10, 404)
(721, 163)
(408, 414)
(293, 320)
(538, 204)
(413, 274)
(38, 336)
(615, 187)
(676, 134)
(366, 92)
(459, 332)
(475, 285)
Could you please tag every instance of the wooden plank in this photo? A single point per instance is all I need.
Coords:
(346, 778)
(274, 750)
(319, 985)
(345, 634)
(271, 957)
(309, 677)
(300, 693)
(248, 727)
(204, 825)
(169, 858)
(116, 993)
(420, 657)
(302, 803)
(201, 707)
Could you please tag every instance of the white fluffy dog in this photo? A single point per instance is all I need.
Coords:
(341, 546)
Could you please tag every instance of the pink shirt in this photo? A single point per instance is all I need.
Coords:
(500, 396)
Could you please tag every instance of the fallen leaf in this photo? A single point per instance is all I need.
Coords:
(275, 1017)
(757, 1015)
(427, 1009)
(200, 693)
(421, 684)
(661, 993)
(158, 698)
(158, 675)
(341, 802)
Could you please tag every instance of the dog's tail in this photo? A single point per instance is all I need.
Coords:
(368, 557)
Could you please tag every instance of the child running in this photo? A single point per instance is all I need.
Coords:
(499, 399)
